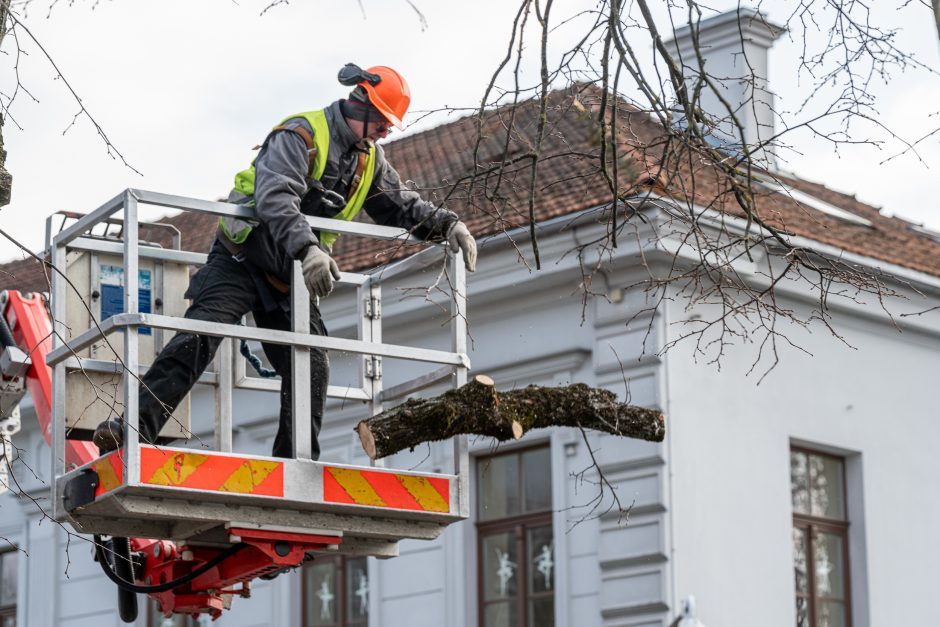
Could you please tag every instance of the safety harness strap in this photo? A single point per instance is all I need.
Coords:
(308, 140)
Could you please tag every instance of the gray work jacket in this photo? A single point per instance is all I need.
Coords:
(281, 183)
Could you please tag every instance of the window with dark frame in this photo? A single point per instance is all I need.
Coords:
(820, 539)
(515, 539)
(336, 592)
(9, 575)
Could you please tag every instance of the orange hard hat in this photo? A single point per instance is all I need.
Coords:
(390, 95)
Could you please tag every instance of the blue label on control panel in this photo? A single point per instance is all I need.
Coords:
(112, 293)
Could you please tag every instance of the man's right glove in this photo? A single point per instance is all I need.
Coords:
(319, 271)
(459, 238)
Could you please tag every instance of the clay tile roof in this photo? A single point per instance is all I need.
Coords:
(24, 274)
(568, 181)
(888, 239)
(438, 163)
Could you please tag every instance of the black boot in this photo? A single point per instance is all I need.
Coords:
(109, 436)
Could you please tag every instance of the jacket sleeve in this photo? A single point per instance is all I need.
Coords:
(390, 203)
(280, 183)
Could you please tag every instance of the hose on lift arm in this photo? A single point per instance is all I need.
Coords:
(124, 569)
(163, 587)
(6, 335)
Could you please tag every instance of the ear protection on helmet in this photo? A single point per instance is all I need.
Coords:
(351, 74)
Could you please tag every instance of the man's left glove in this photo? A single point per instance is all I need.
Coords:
(459, 238)
(319, 271)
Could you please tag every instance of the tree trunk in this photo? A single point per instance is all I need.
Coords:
(6, 179)
(936, 14)
(478, 409)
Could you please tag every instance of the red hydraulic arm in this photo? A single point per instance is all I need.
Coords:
(32, 331)
(163, 569)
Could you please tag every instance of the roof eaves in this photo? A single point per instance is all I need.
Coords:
(739, 225)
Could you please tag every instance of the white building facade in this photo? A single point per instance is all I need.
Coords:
(836, 441)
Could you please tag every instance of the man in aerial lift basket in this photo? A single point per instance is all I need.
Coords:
(321, 163)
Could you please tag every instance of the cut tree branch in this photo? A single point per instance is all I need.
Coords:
(478, 409)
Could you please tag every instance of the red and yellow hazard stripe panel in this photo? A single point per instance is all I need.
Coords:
(385, 489)
(215, 473)
(110, 470)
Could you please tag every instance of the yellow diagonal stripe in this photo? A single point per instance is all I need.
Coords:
(424, 493)
(248, 475)
(356, 486)
(107, 478)
(177, 469)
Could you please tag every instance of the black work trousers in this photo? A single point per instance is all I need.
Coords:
(223, 291)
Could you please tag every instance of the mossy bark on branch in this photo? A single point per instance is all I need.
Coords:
(478, 409)
(6, 179)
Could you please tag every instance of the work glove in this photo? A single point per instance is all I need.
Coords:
(319, 271)
(459, 238)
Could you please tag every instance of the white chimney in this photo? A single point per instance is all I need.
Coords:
(734, 48)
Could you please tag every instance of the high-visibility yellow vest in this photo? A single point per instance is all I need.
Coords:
(238, 230)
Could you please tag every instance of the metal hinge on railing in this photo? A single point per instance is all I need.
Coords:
(373, 308)
(373, 367)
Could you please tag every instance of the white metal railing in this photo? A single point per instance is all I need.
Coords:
(369, 344)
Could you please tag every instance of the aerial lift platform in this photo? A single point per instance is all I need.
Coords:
(206, 519)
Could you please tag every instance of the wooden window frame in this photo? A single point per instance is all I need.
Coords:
(342, 594)
(519, 524)
(815, 524)
(9, 610)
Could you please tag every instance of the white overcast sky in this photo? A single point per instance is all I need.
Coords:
(184, 90)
